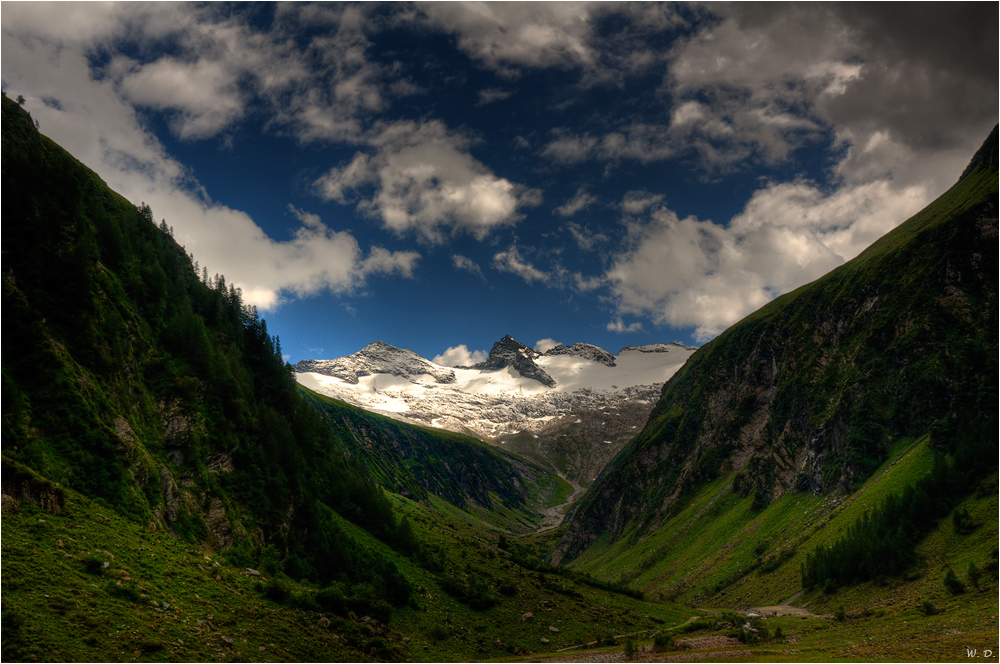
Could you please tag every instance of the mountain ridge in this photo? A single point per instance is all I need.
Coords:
(596, 401)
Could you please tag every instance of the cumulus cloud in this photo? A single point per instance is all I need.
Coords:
(543, 345)
(205, 94)
(460, 356)
(600, 40)
(638, 141)
(696, 273)
(95, 118)
(774, 77)
(421, 179)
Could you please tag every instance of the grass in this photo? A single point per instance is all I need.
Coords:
(159, 599)
(712, 554)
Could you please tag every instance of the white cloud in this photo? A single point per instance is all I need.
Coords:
(507, 36)
(638, 201)
(206, 93)
(424, 181)
(585, 238)
(543, 345)
(694, 273)
(580, 201)
(603, 41)
(467, 264)
(617, 325)
(638, 141)
(490, 95)
(512, 261)
(460, 356)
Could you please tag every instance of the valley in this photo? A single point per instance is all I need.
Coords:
(817, 483)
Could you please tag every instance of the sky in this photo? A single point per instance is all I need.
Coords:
(439, 175)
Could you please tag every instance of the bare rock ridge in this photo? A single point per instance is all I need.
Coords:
(377, 358)
(509, 352)
(586, 351)
(655, 348)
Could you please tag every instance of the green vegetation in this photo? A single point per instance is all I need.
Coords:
(153, 390)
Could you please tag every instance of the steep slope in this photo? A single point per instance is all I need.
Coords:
(417, 462)
(808, 393)
(127, 379)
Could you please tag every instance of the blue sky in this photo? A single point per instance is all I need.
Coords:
(439, 175)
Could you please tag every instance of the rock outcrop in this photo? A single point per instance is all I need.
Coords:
(509, 352)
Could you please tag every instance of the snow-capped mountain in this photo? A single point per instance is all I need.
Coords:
(578, 404)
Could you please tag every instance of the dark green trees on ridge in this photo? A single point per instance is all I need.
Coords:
(128, 379)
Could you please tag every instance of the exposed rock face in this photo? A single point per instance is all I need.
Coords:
(509, 352)
(377, 358)
(21, 485)
(586, 351)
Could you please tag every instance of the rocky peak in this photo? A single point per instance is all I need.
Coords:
(377, 357)
(509, 352)
(586, 351)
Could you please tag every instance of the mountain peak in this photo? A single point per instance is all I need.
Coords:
(509, 352)
(377, 357)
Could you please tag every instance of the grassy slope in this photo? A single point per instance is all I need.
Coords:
(56, 608)
(707, 556)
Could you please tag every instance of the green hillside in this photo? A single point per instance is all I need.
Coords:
(155, 392)
(417, 463)
(809, 394)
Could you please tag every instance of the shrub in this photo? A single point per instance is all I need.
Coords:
(631, 650)
(507, 588)
(974, 574)
(663, 643)
(929, 609)
(437, 633)
(125, 591)
(962, 521)
(93, 564)
(276, 590)
(953, 584)
(839, 614)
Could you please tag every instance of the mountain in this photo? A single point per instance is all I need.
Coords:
(129, 381)
(810, 394)
(378, 358)
(571, 408)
